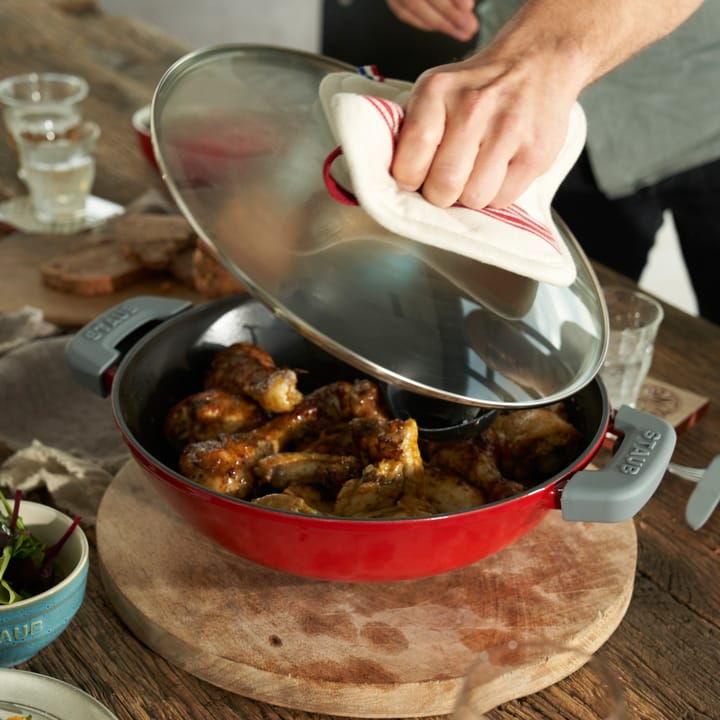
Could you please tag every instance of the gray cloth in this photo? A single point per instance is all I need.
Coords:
(60, 435)
(657, 114)
(41, 401)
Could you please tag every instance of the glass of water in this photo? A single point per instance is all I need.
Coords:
(634, 321)
(42, 106)
(59, 173)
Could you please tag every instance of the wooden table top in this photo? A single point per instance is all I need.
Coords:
(666, 649)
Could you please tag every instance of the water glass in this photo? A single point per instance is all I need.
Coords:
(518, 670)
(634, 321)
(60, 173)
(42, 106)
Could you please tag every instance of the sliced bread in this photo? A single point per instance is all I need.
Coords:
(154, 238)
(93, 270)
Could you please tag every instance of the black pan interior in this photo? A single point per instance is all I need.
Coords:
(170, 362)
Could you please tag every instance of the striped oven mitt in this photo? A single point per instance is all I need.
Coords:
(364, 112)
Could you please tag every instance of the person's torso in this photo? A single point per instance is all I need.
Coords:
(655, 115)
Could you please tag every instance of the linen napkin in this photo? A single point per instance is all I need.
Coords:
(365, 111)
(21, 326)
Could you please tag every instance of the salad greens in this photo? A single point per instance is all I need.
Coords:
(27, 566)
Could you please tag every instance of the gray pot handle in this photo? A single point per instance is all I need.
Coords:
(620, 489)
(92, 351)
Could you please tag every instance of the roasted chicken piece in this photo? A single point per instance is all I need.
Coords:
(336, 439)
(366, 400)
(337, 450)
(392, 473)
(535, 444)
(446, 492)
(315, 496)
(244, 368)
(224, 465)
(286, 501)
(378, 490)
(341, 401)
(304, 468)
(378, 439)
(208, 414)
(474, 459)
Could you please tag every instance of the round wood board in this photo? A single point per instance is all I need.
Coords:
(374, 650)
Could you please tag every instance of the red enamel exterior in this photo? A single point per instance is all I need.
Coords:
(351, 549)
(163, 364)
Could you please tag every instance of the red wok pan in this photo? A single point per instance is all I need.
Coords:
(171, 345)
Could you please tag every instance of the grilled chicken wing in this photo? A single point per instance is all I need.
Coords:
(363, 400)
(285, 501)
(247, 369)
(227, 464)
(336, 439)
(377, 440)
(446, 492)
(377, 490)
(208, 414)
(474, 459)
(224, 465)
(366, 401)
(535, 444)
(338, 451)
(304, 468)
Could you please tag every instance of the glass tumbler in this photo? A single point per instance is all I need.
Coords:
(634, 322)
(42, 106)
(60, 174)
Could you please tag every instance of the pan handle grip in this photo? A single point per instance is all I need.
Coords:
(620, 490)
(93, 350)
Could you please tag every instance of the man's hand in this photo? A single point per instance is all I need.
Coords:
(480, 131)
(455, 18)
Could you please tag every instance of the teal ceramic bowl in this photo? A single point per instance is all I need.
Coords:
(29, 625)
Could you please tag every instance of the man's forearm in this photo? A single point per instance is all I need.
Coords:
(595, 35)
(479, 131)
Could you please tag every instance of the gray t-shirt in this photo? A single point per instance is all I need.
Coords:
(657, 114)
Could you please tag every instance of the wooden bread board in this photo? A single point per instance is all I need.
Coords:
(21, 256)
(374, 650)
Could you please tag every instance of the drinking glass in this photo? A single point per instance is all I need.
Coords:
(60, 173)
(634, 321)
(42, 106)
(517, 670)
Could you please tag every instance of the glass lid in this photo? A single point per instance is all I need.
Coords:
(241, 139)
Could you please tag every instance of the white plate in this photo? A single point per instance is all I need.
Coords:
(24, 693)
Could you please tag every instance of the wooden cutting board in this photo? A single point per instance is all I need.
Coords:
(21, 256)
(360, 650)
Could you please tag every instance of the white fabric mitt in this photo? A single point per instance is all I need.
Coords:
(365, 114)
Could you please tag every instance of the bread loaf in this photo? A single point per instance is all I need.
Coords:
(93, 270)
(154, 238)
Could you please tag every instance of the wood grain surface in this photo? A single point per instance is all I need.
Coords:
(21, 283)
(362, 650)
(122, 65)
(666, 650)
(122, 61)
